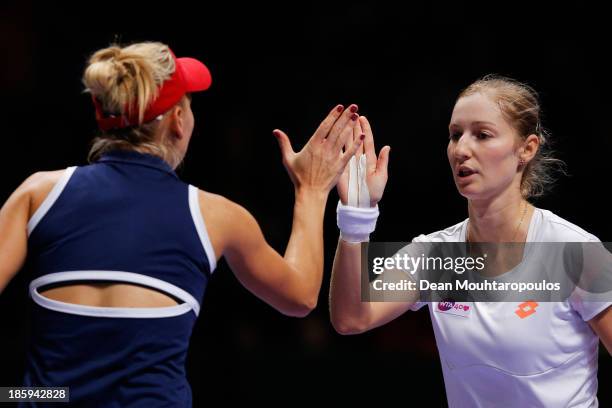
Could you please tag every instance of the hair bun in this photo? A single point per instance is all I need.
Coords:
(123, 78)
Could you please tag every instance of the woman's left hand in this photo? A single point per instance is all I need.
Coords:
(320, 163)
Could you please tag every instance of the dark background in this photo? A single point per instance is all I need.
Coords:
(286, 67)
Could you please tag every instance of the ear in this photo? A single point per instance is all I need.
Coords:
(177, 122)
(530, 147)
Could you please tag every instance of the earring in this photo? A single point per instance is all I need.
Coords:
(521, 162)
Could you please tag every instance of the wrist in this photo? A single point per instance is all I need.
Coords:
(311, 195)
(355, 223)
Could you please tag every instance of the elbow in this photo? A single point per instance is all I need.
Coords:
(301, 309)
(347, 327)
(304, 310)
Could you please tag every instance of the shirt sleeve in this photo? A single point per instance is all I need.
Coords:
(593, 293)
(587, 309)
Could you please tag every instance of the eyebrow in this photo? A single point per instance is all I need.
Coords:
(478, 122)
(484, 122)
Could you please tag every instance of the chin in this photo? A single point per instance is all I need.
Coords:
(470, 192)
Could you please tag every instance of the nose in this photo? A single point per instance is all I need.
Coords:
(461, 149)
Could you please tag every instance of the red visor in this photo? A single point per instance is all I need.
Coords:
(190, 75)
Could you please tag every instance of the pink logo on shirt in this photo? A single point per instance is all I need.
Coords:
(450, 306)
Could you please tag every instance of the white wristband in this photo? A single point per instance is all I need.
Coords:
(356, 224)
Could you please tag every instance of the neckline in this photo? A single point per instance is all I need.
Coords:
(137, 158)
(530, 232)
(531, 236)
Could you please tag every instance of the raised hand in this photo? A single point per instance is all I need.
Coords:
(320, 163)
(375, 168)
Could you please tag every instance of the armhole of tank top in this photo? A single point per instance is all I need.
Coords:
(51, 198)
(198, 220)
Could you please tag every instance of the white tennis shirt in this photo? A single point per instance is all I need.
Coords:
(491, 357)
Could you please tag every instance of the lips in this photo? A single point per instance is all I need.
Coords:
(465, 171)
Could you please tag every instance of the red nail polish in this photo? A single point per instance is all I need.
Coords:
(354, 116)
(362, 137)
(339, 108)
(276, 133)
(354, 108)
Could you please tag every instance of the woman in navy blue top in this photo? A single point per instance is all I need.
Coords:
(121, 250)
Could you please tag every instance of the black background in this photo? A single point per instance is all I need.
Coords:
(286, 67)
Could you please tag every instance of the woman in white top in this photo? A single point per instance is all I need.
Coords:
(492, 354)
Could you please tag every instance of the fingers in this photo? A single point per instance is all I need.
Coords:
(357, 132)
(284, 144)
(347, 119)
(323, 130)
(353, 149)
(368, 144)
(346, 138)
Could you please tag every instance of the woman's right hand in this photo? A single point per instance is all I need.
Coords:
(376, 167)
(320, 163)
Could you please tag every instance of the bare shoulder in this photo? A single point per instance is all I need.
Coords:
(31, 193)
(217, 206)
(43, 179)
(225, 220)
(39, 185)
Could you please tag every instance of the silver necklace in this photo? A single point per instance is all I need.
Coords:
(467, 239)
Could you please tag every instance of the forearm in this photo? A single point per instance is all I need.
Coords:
(348, 313)
(305, 248)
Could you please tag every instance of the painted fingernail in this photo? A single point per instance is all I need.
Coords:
(362, 137)
(354, 108)
(276, 133)
(339, 108)
(354, 116)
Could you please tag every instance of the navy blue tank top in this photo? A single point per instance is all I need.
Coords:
(125, 219)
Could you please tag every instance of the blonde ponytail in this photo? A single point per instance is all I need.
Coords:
(122, 79)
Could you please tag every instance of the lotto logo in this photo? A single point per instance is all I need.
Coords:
(526, 309)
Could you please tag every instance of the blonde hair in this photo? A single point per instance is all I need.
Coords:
(121, 78)
(520, 105)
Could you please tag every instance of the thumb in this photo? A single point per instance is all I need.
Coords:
(383, 160)
(284, 143)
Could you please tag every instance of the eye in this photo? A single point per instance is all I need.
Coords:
(454, 135)
(483, 135)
